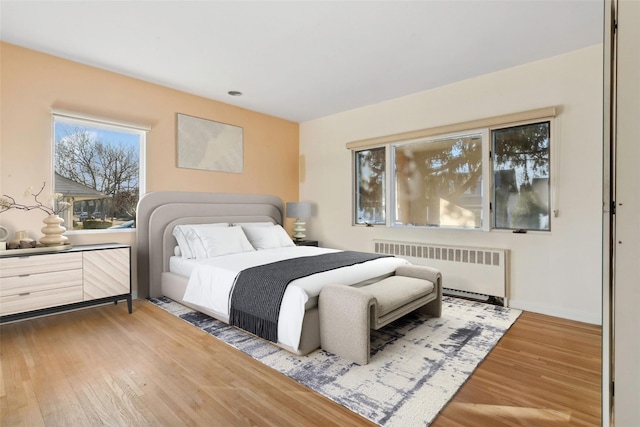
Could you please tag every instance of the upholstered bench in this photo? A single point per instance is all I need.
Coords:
(347, 313)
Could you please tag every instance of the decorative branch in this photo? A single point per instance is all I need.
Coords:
(57, 205)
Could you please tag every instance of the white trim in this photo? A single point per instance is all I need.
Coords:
(390, 186)
(487, 180)
(578, 316)
(99, 231)
(98, 120)
(506, 120)
(142, 166)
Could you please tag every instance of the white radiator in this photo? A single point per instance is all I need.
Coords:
(467, 269)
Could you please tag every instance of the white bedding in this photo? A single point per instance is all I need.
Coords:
(211, 280)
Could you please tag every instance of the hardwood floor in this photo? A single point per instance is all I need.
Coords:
(102, 366)
(544, 372)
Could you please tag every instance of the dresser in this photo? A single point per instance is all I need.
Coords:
(34, 284)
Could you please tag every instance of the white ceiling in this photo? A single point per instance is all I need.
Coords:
(303, 60)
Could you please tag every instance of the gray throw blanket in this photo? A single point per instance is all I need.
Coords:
(258, 291)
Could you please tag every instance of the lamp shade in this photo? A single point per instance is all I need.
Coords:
(298, 210)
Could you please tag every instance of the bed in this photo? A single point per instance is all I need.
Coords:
(205, 284)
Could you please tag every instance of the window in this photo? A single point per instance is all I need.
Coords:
(99, 169)
(438, 182)
(521, 177)
(370, 173)
(494, 177)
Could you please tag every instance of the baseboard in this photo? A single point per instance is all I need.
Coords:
(579, 316)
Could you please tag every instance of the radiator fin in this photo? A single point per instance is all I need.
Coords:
(468, 269)
(466, 255)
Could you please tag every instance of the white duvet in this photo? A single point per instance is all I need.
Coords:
(211, 281)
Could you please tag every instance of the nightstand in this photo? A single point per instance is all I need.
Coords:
(306, 242)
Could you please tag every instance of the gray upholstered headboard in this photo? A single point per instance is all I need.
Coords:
(159, 212)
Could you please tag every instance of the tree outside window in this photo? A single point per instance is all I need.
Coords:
(438, 182)
(521, 177)
(442, 180)
(370, 166)
(98, 170)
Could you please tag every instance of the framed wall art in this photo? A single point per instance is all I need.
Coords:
(209, 145)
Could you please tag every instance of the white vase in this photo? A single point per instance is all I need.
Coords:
(53, 231)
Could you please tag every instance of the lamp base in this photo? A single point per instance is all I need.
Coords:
(299, 230)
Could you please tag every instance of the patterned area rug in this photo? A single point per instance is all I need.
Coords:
(417, 363)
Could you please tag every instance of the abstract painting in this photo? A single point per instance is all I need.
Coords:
(209, 145)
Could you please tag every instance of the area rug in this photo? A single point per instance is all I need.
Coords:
(417, 363)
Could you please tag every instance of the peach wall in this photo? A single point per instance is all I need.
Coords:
(31, 83)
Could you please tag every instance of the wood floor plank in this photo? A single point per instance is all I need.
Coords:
(102, 366)
(542, 364)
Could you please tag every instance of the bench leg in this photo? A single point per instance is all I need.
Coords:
(432, 309)
(344, 323)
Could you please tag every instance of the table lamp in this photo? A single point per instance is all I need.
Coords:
(299, 211)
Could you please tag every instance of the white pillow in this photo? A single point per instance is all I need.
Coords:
(262, 237)
(183, 244)
(177, 251)
(267, 237)
(224, 241)
(285, 240)
(187, 237)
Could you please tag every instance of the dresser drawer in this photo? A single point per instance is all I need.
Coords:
(106, 273)
(37, 300)
(28, 283)
(16, 266)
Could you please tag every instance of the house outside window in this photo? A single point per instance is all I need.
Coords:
(99, 169)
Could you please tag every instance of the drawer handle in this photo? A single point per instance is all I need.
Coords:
(24, 294)
(24, 275)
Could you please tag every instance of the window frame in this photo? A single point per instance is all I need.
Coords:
(354, 187)
(486, 126)
(484, 141)
(88, 121)
(553, 191)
